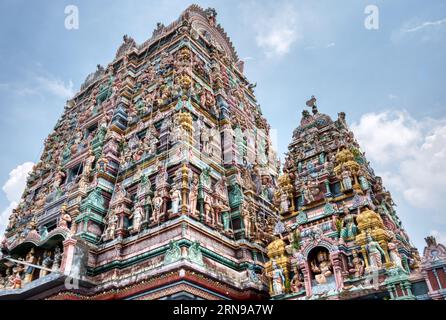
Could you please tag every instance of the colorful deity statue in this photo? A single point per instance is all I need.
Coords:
(46, 263)
(297, 282)
(322, 267)
(31, 260)
(374, 251)
(357, 265)
(349, 230)
(278, 279)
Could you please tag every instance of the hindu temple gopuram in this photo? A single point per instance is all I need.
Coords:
(159, 181)
(339, 236)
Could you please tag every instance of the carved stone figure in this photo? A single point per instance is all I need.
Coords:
(321, 267)
(278, 279)
(176, 198)
(284, 202)
(349, 230)
(193, 195)
(246, 217)
(157, 202)
(347, 180)
(374, 251)
(112, 225)
(31, 259)
(394, 255)
(46, 263)
(357, 265)
(57, 259)
(138, 216)
(65, 218)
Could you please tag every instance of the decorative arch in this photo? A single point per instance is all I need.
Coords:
(324, 242)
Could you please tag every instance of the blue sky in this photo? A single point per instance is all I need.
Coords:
(389, 81)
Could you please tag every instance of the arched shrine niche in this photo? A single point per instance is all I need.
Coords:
(320, 271)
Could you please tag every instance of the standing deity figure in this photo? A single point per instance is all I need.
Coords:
(284, 202)
(374, 251)
(208, 208)
(246, 217)
(31, 259)
(357, 265)
(204, 138)
(347, 180)
(137, 216)
(394, 255)
(46, 263)
(193, 195)
(112, 225)
(65, 217)
(321, 267)
(88, 166)
(57, 259)
(278, 279)
(157, 208)
(176, 198)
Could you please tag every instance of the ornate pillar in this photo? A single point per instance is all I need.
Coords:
(68, 255)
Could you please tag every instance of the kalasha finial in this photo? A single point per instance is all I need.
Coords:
(312, 104)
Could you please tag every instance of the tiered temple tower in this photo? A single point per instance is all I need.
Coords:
(340, 237)
(156, 183)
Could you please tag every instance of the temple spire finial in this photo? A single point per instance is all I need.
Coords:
(312, 104)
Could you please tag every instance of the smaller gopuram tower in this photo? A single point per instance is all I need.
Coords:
(339, 236)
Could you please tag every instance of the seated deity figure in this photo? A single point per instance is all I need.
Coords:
(357, 265)
(321, 267)
(277, 278)
(297, 282)
(374, 251)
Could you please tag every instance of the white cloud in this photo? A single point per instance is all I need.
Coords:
(13, 189)
(387, 136)
(411, 155)
(276, 28)
(57, 87)
(425, 24)
(40, 84)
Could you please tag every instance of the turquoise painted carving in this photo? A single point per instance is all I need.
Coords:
(173, 254)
